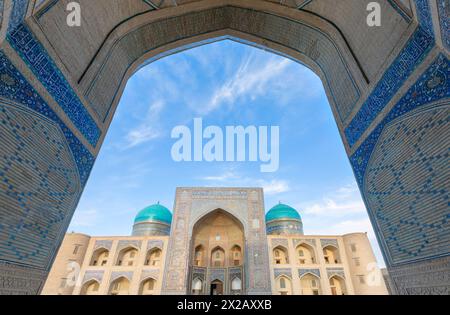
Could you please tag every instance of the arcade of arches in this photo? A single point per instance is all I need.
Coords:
(226, 235)
(388, 87)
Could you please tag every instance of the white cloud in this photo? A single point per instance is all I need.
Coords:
(274, 187)
(148, 129)
(250, 79)
(344, 201)
(231, 178)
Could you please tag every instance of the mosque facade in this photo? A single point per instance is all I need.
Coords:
(216, 241)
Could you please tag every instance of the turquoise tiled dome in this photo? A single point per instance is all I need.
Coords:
(153, 213)
(282, 211)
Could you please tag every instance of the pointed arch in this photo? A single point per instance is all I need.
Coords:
(310, 284)
(90, 287)
(119, 286)
(153, 257)
(337, 285)
(280, 255)
(127, 256)
(331, 254)
(147, 286)
(306, 254)
(99, 257)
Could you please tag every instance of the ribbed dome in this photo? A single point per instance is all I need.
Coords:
(282, 211)
(154, 213)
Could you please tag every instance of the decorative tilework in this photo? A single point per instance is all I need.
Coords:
(309, 241)
(107, 244)
(325, 242)
(444, 21)
(93, 274)
(431, 86)
(155, 244)
(126, 243)
(154, 274)
(335, 272)
(39, 185)
(118, 274)
(36, 57)
(417, 48)
(15, 87)
(217, 274)
(279, 242)
(408, 193)
(424, 16)
(18, 11)
(282, 272)
(303, 272)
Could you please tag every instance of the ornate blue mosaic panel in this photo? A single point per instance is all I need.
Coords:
(433, 85)
(444, 21)
(407, 183)
(39, 186)
(15, 87)
(302, 272)
(36, 57)
(18, 11)
(415, 51)
(411, 56)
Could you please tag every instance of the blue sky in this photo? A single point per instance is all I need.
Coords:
(224, 83)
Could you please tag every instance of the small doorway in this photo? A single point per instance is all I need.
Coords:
(216, 287)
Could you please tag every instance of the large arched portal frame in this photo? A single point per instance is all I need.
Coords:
(388, 87)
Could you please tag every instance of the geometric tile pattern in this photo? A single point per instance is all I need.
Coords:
(282, 272)
(279, 242)
(119, 274)
(310, 242)
(93, 274)
(407, 185)
(444, 20)
(154, 274)
(18, 11)
(411, 56)
(325, 242)
(302, 272)
(417, 48)
(14, 86)
(155, 244)
(106, 244)
(335, 272)
(217, 274)
(39, 186)
(38, 60)
(433, 85)
(129, 243)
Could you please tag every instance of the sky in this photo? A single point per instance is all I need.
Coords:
(226, 84)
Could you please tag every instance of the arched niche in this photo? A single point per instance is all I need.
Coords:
(215, 237)
(99, 257)
(91, 287)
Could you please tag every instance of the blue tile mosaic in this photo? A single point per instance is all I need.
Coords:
(18, 11)
(432, 85)
(417, 48)
(36, 57)
(39, 184)
(15, 87)
(424, 16)
(406, 184)
(444, 21)
(412, 55)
